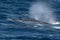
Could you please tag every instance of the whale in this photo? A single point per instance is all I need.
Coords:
(34, 21)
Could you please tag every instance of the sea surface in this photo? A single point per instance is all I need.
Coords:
(12, 30)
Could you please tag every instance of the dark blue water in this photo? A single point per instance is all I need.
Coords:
(12, 30)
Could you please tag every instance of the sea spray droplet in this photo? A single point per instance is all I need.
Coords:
(41, 11)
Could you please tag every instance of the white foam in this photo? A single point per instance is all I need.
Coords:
(9, 19)
(56, 27)
(55, 23)
(39, 24)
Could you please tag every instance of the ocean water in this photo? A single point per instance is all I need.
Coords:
(13, 30)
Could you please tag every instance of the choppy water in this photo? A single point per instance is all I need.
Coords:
(12, 30)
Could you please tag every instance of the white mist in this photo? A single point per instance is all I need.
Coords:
(42, 12)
